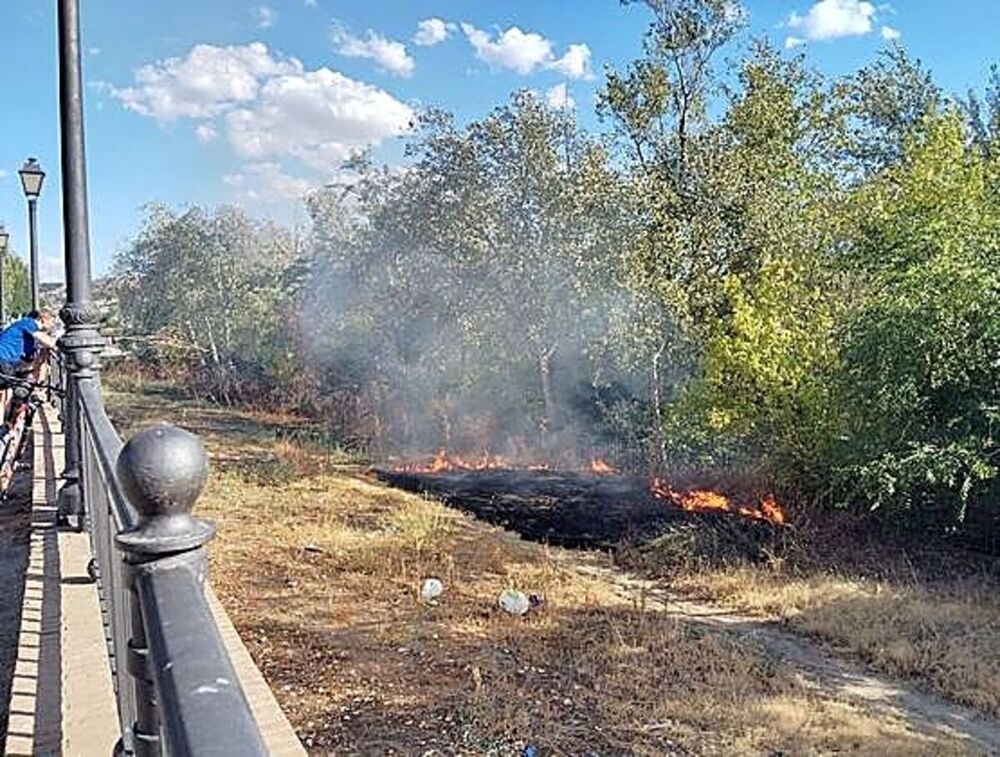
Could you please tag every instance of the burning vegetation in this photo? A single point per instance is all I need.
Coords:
(700, 500)
(596, 506)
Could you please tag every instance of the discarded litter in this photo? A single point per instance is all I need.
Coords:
(314, 548)
(514, 602)
(431, 590)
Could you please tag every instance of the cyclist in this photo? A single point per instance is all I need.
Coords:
(20, 351)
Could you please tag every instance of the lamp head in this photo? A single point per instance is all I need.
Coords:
(32, 177)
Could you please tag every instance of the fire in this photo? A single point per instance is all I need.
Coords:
(700, 500)
(691, 500)
(444, 462)
(772, 511)
(601, 468)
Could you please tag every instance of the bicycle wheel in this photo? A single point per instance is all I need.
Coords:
(26, 414)
(7, 460)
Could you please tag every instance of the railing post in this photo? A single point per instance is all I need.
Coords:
(162, 471)
(81, 343)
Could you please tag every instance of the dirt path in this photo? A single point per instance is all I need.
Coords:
(816, 667)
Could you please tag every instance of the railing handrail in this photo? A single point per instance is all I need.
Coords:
(108, 445)
(177, 690)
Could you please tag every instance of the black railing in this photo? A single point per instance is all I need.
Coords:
(177, 692)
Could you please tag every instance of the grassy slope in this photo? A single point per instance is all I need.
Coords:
(320, 570)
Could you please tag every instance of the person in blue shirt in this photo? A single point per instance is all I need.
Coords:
(24, 347)
(20, 342)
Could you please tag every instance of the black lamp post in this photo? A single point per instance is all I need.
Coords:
(32, 177)
(81, 343)
(4, 237)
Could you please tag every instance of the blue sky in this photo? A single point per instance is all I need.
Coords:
(254, 102)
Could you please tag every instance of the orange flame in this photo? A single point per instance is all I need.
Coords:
(444, 462)
(600, 467)
(693, 500)
(700, 500)
(772, 511)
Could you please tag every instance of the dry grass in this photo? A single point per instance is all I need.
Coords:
(321, 569)
(944, 634)
(927, 615)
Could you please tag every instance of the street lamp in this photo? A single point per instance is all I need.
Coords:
(4, 237)
(32, 177)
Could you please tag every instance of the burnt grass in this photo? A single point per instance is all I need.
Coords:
(588, 511)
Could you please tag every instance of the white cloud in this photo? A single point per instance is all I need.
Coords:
(559, 98)
(575, 63)
(890, 35)
(833, 19)
(266, 17)
(793, 42)
(388, 54)
(310, 3)
(270, 109)
(431, 31)
(526, 52)
(3, 174)
(206, 132)
(93, 51)
(206, 82)
(320, 117)
(267, 183)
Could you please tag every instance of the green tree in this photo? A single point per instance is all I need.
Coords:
(920, 356)
(887, 100)
(17, 289)
(477, 272)
(758, 397)
(210, 287)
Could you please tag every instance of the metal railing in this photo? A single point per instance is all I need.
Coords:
(176, 689)
(177, 692)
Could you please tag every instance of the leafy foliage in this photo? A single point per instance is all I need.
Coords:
(16, 285)
(921, 352)
(208, 289)
(768, 275)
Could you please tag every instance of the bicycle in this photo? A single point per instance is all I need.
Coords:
(18, 416)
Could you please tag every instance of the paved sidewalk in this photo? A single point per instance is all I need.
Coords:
(62, 700)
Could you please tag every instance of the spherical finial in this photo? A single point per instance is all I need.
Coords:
(162, 470)
(85, 359)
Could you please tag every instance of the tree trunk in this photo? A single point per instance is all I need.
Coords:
(657, 401)
(545, 373)
(220, 374)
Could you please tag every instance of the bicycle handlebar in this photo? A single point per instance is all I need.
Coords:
(18, 381)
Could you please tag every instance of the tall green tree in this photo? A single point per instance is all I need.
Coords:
(758, 396)
(477, 271)
(211, 287)
(920, 357)
(17, 288)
